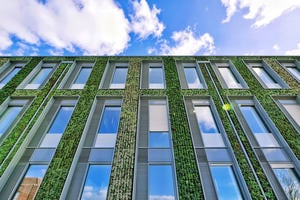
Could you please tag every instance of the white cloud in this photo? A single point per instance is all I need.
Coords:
(263, 12)
(145, 21)
(276, 47)
(294, 51)
(95, 27)
(187, 43)
(5, 41)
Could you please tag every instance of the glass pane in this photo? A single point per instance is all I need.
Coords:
(42, 155)
(225, 183)
(159, 155)
(289, 182)
(159, 139)
(96, 183)
(156, 78)
(110, 119)
(275, 155)
(105, 140)
(192, 78)
(39, 78)
(295, 71)
(158, 118)
(161, 183)
(61, 120)
(119, 78)
(294, 111)
(82, 78)
(9, 76)
(253, 119)
(229, 78)
(217, 155)
(7, 118)
(101, 155)
(266, 78)
(31, 182)
(205, 119)
(51, 140)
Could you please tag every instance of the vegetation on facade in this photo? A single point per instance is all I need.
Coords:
(121, 183)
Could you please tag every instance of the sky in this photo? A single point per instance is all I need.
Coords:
(149, 27)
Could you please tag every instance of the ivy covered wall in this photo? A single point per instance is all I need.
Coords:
(121, 181)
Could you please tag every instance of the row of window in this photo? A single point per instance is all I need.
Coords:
(155, 174)
(152, 75)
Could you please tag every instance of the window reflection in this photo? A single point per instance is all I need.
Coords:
(206, 120)
(253, 119)
(265, 77)
(229, 77)
(192, 78)
(31, 182)
(289, 182)
(119, 78)
(156, 78)
(40, 78)
(293, 108)
(9, 76)
(7, 118)
(159, 139)
(82, 78)
(161, 183)
(96, 183)
(225, 183)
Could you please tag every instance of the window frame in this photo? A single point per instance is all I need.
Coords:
(86, 145)
(109, 72)
(12, 101)
(43, 64)
(145, 74)
(284, 63)
(7, 68)
(143, 126)
(180, 65)
(270, 72)
(200, 150)
(267, 165)
(216, 64)
(73, 73)
(23, 157)
(280, 105)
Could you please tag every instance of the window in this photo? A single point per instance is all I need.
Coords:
(77, 75)
(58, 127)
(290, 105)
(31, 182)
(39, 76)
(192, 78)
(156, 78)
(289, 182)
(225, 182)
(82, 78)
(154, 152)
(228, 76)
(216, 163)
(13, 108)
(161, 182)
(9, 76)
(33, 160)
(268, 144)
(9, 70)
(266, 76)
(190, 75)
(92, 167)
(119, 78)
(293, 67)
(96, 183)
(107, 133)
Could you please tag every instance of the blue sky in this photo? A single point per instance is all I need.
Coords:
(149, 27)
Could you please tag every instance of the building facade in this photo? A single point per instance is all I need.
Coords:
(156, 128)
